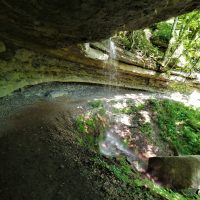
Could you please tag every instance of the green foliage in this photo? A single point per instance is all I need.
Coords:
(179, 125)
(190, 38)
(172, 45)
(125, 173)
(123, 38)
(162, 31)
(95, 104)
(136, 41)
(179, 86)
(146, 128)
(80, 124)
(187, 38)
(91, 125)
(87, 136)
(121, 171)
(88, 141)
(130, 109)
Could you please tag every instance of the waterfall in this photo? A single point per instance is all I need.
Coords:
(112, 49)
(113, 145)
(111, 66)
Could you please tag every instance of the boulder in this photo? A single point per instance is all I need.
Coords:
(177, 172)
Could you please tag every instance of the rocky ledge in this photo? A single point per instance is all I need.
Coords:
(86, 64)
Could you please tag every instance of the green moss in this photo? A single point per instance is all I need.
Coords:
(162, 31)
(130, 109)
(80, 124)
(136, 40)
(179, 86)
(147, 129)
(179, 125)
(125, 173)
(95, 104)
(90, 131)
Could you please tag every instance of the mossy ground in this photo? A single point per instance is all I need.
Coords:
(177, 127)
(53, 151)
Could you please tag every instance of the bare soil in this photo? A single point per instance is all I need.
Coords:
(40, 158)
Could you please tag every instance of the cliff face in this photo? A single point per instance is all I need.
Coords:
(38, 42)
(21, 67)
(57, 23)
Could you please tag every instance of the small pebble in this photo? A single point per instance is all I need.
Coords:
(62, 166)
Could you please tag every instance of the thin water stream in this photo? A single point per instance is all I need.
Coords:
(120, 124)
(113, 145)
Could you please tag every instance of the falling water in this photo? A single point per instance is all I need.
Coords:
(112, 49)
(113, 145)
(111, 64)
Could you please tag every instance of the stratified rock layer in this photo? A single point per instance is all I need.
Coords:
(21, 67)
(57, 23)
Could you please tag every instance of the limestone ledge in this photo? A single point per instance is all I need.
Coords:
(21, 67)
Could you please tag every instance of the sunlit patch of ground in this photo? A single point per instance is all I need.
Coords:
(123, 122)
(124, 135)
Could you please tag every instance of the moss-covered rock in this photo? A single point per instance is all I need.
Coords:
(177, 171)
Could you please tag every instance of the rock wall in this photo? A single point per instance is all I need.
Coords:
(21, 67)
(58, 23)
(36, 36)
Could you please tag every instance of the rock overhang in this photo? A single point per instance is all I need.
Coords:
(60, 23)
